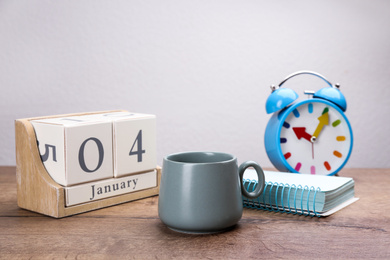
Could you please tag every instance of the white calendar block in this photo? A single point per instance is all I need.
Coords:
(109, 188)
(75, 149)
(134, 141)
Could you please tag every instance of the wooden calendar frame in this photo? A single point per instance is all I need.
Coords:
(37, 191)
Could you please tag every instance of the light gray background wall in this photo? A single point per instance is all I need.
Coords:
(203, 67)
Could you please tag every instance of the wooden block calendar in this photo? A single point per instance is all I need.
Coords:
(69, 164)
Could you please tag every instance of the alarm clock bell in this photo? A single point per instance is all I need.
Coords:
(334, 95)
(283, 97)
(279, 99)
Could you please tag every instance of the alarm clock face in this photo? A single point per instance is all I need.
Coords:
(315, 137)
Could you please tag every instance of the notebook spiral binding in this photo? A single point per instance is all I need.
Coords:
(277, 206)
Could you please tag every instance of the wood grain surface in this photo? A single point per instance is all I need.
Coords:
(134, 231)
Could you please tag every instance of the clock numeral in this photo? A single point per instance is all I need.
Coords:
(326, 110)
(336, 123)
(310, 108)
(327, 166)
(298, 166)
(337, 154)
(340, 138)
(296, 113)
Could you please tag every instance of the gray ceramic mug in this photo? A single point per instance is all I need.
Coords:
(201, 192)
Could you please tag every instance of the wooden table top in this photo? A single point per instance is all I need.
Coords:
(133, 230)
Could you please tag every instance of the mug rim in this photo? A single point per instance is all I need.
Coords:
(229, 158)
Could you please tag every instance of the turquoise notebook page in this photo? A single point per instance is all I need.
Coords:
(301, 193)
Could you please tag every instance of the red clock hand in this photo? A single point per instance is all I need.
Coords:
(300, 132)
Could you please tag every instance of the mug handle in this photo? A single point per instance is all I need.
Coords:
(260, 183)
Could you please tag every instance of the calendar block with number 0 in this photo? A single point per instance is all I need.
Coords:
(69, 164)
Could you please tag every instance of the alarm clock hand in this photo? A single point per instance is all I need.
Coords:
(324, 120)
(300, 132)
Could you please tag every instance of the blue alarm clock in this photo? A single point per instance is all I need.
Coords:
(311, 136)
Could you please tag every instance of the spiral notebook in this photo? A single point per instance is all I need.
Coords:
(303, 194)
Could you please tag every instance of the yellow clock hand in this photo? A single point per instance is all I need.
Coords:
(324, 120)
